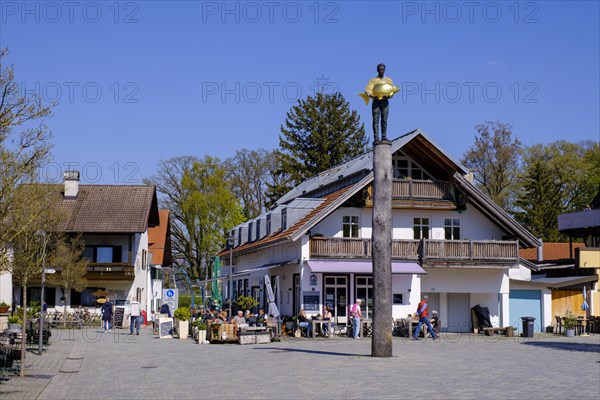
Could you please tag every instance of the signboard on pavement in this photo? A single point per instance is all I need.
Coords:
(171, 297)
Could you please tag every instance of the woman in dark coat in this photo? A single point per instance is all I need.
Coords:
(107, 312)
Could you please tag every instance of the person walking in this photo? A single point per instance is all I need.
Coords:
(135, 317)
(107, 313)
(423, 314)
(356, 315)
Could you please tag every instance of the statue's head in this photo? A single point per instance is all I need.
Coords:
(380, 69)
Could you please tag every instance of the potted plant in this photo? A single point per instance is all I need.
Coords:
(570, 322)
(4, 307)
(182, 315)
(14, 323)
(245, 302)
(201, 328)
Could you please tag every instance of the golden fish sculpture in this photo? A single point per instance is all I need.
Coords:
(381, 91)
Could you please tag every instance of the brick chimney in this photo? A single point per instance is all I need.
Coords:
(71, 184)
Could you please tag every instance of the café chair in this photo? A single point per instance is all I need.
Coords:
(559, 324)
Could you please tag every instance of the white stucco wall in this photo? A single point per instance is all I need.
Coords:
(467, 280)
(474, 225)
(6, 287)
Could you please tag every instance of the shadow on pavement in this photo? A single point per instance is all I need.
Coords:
(584, 347)
(325, 353)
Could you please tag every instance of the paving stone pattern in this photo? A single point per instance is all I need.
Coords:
(88, 365)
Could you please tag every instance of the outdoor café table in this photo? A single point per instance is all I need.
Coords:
(319, 322)
(412, 324)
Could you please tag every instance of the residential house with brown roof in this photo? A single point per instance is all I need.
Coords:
(159, 242)
(450, 242)
(114, 222)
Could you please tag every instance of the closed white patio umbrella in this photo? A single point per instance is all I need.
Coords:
(272, 306)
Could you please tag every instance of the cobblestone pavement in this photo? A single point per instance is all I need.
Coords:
(88, 365)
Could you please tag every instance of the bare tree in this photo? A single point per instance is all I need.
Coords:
(24, 140)
(66, 257)
(494, 159)
(249, 173)
(31, 226)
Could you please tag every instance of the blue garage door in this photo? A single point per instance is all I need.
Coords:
(525, 303)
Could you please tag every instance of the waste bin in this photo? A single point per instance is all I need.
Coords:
(528, 326)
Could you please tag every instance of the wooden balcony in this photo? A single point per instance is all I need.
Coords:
(425, 250)
(110, 272)
(424, 194)
(419, 189)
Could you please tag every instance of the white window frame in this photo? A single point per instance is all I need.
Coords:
(351, 223)
(421, 225)
(452, 227)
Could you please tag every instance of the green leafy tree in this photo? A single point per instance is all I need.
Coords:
(494, 160)
(556, 178)
(319, 133)
(209, 210)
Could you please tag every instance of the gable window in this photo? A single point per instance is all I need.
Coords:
(350, 226)
(452, 228)
(102, 254)
(421, 228)
(404, 168)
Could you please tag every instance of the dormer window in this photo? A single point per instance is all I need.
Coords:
(284, 219)
(250, 226)
(268, 224)
(257, 229)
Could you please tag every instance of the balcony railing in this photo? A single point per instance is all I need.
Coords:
(110, 271)
(427, 249)
(418, 189)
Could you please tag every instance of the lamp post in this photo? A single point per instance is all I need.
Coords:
(41, 328)
(230, 242)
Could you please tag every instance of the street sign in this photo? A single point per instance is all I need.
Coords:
(171, 297)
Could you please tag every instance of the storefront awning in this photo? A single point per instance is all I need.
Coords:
(362, 267)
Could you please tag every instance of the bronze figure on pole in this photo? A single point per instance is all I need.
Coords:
(380, 89)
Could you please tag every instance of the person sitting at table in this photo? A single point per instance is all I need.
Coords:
(239, 322)
(304, 322)
(435, 321)
(223, 316)
(326, 317)
(261, 317)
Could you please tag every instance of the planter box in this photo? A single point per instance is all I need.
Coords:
(183, 329)
(255, 338)
(201, 337)
(263, 337)
(247, 338)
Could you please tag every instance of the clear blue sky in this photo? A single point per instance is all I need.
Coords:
(143, 81)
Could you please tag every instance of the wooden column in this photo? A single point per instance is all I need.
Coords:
(382, 250)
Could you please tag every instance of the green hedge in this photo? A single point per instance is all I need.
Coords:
(185, 300)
